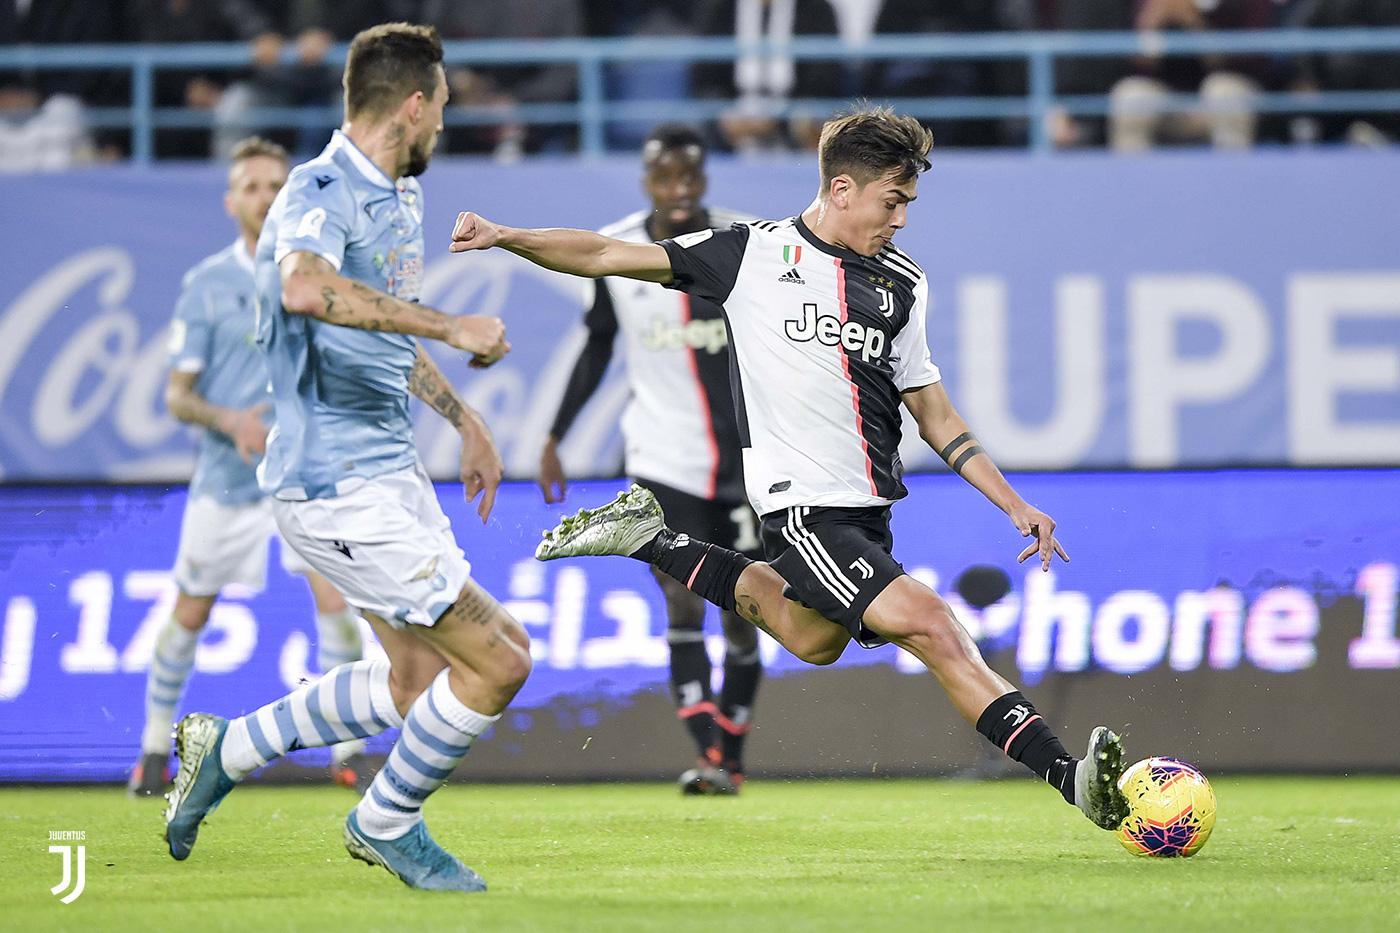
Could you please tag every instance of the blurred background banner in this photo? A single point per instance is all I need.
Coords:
(1174, 309)
(1252, 625)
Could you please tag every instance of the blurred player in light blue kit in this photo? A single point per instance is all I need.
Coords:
(218, 381)
(339, 265)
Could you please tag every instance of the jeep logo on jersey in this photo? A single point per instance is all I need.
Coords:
(707, 335)
(828, 330)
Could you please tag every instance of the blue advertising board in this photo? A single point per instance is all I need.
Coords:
(1178, 309)
(1228, 589)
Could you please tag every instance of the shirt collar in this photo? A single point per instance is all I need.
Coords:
(830, 249)
(242, 256)
(363, 163)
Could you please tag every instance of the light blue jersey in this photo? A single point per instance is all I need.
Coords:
(340, 394)
(213, 335)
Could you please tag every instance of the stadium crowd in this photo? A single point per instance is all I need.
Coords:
(42, 123)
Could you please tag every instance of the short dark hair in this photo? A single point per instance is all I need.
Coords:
(387, 63)
(669, 137)
(251, 147)
(869, 142)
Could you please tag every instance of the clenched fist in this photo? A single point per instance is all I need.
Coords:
(482, 336)
(473, 232)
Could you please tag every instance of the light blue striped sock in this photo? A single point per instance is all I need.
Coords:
(351, 702)
(338, 641)
(436, 735)
(165, 683)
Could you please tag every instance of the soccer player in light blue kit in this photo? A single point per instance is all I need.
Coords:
(339, 266)
(218, 381)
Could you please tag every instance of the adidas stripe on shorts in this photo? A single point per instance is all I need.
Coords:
(834, 560)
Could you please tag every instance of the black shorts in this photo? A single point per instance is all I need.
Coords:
(730, 525)
(834, 560)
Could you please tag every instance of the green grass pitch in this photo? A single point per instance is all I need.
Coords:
(1287, 853)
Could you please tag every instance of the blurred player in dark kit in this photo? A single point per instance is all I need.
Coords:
(682, 443)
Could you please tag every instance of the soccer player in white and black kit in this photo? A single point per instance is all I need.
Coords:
(826, 323)
(682, 444)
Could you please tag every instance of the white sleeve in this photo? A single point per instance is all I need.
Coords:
(913, 368)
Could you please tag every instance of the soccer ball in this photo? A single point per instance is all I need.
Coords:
(1171, 808)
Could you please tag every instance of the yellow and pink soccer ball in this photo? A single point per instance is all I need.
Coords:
(1171, 809)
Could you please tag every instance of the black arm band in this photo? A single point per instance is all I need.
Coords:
(954, 444)
(966, 455)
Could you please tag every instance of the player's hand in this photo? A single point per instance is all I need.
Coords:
(248, 431)
(1031, 522)
(482, 469)
(552, 482)
(473, 231)
(482, 336)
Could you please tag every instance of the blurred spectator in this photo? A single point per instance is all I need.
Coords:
(1227, 84)
(762, 83)
(307, 81)
(939, 77)
(69, 21)
(172, 21)
(1091, 75)
(603, 18)
(344, 18)
(66, 21)
(41, 137)
(503, 87)
(657, 80)
(855, 19)
(1347, 71)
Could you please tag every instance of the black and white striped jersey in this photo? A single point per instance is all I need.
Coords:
(679, 426)
(823, 341)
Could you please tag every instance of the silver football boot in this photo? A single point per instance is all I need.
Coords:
(620, 527)
(1096, 780)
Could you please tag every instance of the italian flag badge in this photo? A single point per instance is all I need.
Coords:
(792, 255)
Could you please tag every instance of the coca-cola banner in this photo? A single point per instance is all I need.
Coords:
(1168, 310)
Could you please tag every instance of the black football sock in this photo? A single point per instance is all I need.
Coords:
(1012, 725)
(742, 672)
(706, 569)
(690, 687)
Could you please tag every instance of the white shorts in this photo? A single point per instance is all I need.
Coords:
(227, 544)
(386, 546)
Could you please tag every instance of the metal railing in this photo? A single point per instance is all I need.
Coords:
(593, 111)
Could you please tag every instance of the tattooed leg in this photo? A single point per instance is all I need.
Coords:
(487, 651)
(758, 598)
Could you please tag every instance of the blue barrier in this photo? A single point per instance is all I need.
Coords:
(592, 111)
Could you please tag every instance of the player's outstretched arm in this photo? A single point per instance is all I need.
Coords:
(577, 252)
(310, 285)
(943, 429)
(482, 468)
(245, 427)
(584, 379)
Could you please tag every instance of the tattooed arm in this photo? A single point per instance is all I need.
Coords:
(243, 426)
(310, 285)
(481, 462)
(943, 429)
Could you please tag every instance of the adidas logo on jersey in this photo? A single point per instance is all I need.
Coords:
(828, 330)
(792, 278)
